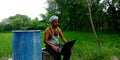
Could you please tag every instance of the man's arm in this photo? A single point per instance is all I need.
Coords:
(46, 37)
(62, 36)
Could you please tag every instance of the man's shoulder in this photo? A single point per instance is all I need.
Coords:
(47, 29)
(59, 28)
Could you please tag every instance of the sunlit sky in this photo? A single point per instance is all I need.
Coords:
(31, 8)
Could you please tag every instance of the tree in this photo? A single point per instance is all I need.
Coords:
(73, 14)
(19, 21)
(45, 21)
(52, 8)
(93, 28)
(17, 24)
(5, 25)
(33, 24)
(22, 17)
(1, 27)
(112, 15)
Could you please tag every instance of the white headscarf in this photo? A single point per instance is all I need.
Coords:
(52, 18)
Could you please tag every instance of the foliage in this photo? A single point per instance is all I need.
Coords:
(111, 7)
(35, 24)
(22, 22)
(73, 15)
(5, 25)
(18, 21)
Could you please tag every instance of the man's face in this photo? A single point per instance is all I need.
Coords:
(55, 23)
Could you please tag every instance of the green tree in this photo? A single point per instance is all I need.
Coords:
(44, 20)
(19, 21)
(17, 24)
(5, 25)
(52, 8)
(34, 24)
(1, 27)
(73, 14)
(112, 12)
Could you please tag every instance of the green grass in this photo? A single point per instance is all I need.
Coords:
(5, 44)
(86, 47)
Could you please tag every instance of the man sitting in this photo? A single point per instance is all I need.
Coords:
(52, 34)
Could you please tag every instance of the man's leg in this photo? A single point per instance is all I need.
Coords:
(56, 55)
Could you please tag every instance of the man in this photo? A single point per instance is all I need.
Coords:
(52, 34)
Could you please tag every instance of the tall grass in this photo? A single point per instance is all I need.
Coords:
(5, 44)
(85, 48)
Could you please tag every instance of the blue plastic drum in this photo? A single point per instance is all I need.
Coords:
(26, 45)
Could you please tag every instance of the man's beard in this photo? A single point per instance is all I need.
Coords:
(55, 26)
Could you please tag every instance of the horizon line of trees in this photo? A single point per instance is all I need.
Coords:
(73, 16)
(21, 22)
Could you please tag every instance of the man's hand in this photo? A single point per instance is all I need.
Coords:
(55, 48)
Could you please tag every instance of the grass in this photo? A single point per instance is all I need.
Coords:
(5, 44)
(86, 47)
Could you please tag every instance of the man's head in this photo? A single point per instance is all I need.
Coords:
(54, 21)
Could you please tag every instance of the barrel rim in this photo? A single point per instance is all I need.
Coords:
(26, 30)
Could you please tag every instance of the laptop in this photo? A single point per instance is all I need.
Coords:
(67, 46)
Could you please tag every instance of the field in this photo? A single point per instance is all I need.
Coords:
(86, 47)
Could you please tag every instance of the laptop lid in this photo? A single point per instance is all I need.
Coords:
(67, 46)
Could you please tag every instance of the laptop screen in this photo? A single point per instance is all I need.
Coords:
(68, 45)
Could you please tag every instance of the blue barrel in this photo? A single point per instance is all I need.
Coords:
(26, 45)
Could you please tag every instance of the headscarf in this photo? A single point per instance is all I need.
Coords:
(52, 18)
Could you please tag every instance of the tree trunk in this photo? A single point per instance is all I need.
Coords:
(93, 28)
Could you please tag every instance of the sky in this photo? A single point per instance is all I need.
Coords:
(31, 8)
